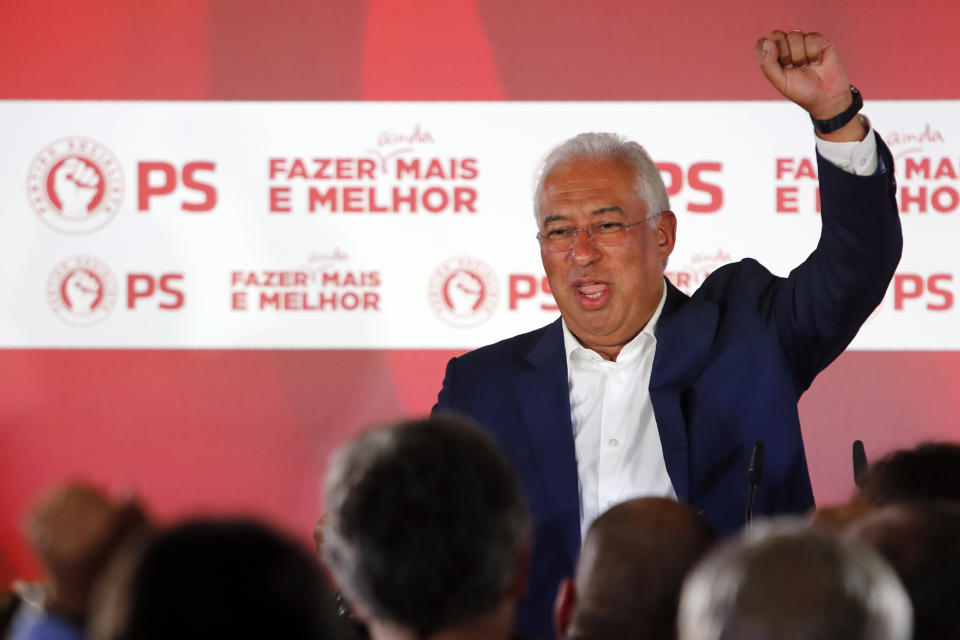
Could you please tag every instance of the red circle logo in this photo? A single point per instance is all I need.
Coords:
(82, 291)
(464, 292)
(75, 185)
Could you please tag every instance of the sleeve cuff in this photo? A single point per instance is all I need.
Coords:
(859, 158)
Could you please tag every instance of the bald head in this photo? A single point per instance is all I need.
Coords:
(632, 566)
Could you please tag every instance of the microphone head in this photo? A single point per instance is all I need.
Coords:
(755, 470)
(859, 461)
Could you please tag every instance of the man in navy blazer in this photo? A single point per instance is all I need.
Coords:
(640, 390)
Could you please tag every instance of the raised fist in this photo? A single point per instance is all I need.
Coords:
(81, 290)
(464, 291)
(76, 183)
(805, 68)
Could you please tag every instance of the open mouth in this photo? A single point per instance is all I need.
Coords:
(592, 294)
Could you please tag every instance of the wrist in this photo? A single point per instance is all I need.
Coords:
(832, 107)
(838, 113)
(854, 131)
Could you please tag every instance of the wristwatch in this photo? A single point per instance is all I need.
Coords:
(842, 118)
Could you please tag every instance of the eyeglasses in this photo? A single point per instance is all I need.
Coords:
(607, 233)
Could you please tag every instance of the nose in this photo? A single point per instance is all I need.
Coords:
(584, 251)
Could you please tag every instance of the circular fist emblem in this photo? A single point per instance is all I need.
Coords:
(464, 292)
(75, 185)
(82, 291)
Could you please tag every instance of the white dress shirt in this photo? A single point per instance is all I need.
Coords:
(859, 158)
(615, 434)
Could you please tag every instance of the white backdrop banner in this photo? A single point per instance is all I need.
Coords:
(405, 225)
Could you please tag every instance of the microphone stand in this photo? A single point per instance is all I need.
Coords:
(754, 474)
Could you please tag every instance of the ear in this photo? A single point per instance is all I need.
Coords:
(318, 533)
(563, 607)
(666, 234)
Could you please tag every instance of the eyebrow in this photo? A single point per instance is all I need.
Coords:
(609, 209)
(597, 212)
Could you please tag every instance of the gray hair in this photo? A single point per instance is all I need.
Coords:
(649, 185)
(426, 522)
(785, 581)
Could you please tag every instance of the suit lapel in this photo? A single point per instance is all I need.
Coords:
(685, 334)
(544, 397)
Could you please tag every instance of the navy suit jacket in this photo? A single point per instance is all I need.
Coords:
(730, 364)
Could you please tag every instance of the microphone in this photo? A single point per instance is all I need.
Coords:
(754, 475)
(859, 461)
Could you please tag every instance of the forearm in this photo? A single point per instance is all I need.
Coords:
(824, 301)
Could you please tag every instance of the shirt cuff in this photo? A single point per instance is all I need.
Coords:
(859, 158)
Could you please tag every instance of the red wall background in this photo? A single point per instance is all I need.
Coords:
(249, 430)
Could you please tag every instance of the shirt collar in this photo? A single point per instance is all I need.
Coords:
(575, 350)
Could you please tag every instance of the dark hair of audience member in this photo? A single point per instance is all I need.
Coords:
(930, 471)
(631, 569)
(922, 544)
(228, 579)
(426, 523)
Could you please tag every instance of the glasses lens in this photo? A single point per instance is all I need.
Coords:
(601, 233)
(557, 239)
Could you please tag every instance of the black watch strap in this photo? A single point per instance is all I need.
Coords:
(839, 120)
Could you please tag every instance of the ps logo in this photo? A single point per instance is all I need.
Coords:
(464, 292)
(82, 291)
(75, 185)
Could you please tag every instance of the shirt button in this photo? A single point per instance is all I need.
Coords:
(613, 442)
(618, 380)
(610, 503)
